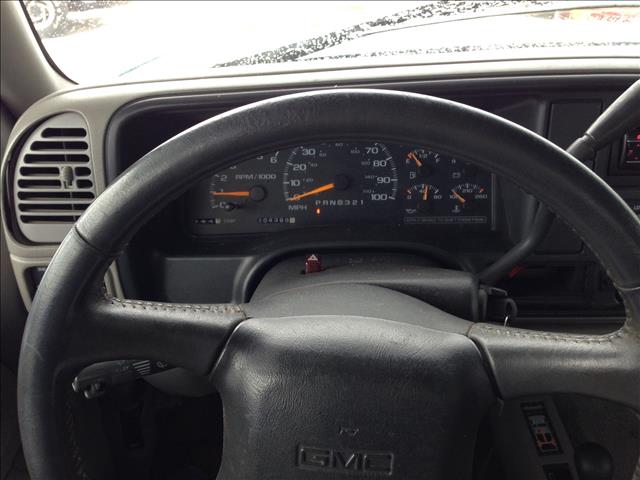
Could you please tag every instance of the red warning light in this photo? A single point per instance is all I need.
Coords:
(312, 263)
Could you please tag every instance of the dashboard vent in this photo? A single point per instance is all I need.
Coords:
(53, 178)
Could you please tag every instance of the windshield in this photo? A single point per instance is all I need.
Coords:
(120, 41)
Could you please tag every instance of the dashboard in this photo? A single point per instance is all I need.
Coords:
(355, 200)
(342, 183)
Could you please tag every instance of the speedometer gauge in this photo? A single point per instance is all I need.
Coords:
(339, 176)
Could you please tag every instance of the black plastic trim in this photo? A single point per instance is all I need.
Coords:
(454, 87)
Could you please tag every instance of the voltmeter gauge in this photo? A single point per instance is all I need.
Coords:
(422, 163)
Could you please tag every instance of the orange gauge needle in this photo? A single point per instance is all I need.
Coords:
(458, 196)
(413, 157)
(315, 191)
(425, 193)
(230, 194)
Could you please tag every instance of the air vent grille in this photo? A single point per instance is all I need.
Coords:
(53, 181)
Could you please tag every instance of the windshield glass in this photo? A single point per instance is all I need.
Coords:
(120, 41)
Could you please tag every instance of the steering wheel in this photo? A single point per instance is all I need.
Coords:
(306, 393)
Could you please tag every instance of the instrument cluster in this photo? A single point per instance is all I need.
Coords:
(342, 183)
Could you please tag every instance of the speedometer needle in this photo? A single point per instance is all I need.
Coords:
(315, 191)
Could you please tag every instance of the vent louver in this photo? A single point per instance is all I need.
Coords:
(53, 180)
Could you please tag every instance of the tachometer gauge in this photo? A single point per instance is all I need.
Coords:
(339, 177)
(238, 186)
(423, 198)
(468, 198)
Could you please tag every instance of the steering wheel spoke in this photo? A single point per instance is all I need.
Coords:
(91, 326)
(527, 362)
(186, 335)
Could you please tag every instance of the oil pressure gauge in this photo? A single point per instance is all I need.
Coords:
(423, 199)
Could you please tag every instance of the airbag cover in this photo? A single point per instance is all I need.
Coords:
(330, 395)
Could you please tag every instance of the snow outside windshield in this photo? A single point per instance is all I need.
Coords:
(120, 41)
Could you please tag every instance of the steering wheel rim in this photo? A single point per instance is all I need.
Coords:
(73, 323)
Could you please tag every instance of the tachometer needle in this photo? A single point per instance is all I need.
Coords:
(413, 157)
(315, 191)
(230, 194)
(458, 196)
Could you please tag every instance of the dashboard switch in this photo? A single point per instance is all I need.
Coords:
(630, 158)
(312, 264)
(542, 431)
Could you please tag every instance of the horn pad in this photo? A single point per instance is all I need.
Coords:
(329, 395)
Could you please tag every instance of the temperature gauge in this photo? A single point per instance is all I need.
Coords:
(468, 198)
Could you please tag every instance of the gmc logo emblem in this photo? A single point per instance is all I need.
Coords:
(344, 461)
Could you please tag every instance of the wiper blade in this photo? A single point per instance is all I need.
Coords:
(438, 9)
